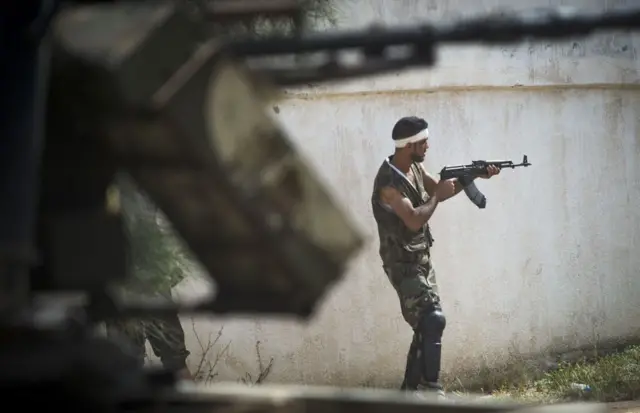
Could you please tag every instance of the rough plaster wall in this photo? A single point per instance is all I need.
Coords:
(550, 264)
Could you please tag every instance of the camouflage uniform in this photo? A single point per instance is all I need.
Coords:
(407, 262)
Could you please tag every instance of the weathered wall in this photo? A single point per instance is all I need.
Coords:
(551, 263)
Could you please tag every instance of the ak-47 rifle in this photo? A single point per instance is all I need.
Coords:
(467, 173)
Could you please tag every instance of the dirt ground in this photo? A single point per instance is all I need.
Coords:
(625, 407)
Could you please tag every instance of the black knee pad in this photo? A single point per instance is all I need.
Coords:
(431, 327)
(432, 324)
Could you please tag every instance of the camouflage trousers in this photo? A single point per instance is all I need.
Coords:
(165, 335)
(416, 287)
(417, 291)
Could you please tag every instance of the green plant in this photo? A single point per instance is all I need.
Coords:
(158, 258)
(611, 378)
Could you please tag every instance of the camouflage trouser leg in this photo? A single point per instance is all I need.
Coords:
(129, 334)
(419, 301)
(165, 335)
(413, 369)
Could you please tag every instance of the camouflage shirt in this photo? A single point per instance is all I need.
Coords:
(399, 244)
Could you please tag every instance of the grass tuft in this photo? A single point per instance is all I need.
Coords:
(615, 377)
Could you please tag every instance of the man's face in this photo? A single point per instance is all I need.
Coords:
(419, 150)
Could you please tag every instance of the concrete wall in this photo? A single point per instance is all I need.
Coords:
(552, 262)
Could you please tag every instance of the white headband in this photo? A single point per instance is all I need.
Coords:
(420, 136)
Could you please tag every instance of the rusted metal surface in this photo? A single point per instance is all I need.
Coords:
(235, 10)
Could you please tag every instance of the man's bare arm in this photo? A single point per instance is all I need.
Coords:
(413, 218)
(430, 184)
